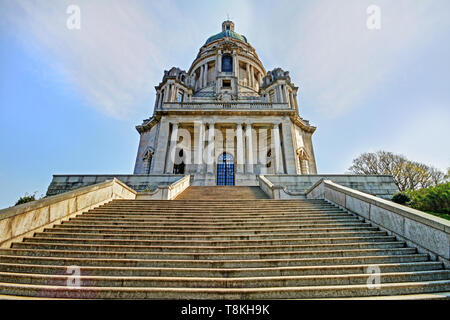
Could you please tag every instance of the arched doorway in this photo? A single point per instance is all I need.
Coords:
(225, 170)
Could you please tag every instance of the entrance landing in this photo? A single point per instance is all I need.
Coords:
(222, 193)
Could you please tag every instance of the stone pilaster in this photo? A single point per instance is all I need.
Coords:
(289, 147)
(173, 145)
(161, 148)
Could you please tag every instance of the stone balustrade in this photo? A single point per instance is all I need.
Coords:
(428, 233)
(25, 219)
(293, 186)
(225, 105)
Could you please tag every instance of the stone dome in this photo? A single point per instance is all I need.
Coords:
(227, 32)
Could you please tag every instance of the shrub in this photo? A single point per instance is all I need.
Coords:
(432, 199)
(26, 198)
(401, 198)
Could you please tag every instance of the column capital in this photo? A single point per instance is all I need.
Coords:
(275, 125)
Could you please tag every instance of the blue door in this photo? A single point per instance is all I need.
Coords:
(225, 170)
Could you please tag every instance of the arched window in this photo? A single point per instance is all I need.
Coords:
(227, 63)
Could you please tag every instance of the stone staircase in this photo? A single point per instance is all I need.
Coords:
(221, 249)
(227, 192)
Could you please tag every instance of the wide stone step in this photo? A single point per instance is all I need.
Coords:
(128, 253)
(309, 292)
(218, 204)
(254, 282)
(228, 221)
(212, 237)
(143, 239)
(255, 263)
(40, 243)
(155, 230)
(219, 272)
(214, 226)
(226, 192)
(217, 213)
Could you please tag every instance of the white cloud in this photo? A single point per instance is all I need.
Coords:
(335, 59)
(117, 57)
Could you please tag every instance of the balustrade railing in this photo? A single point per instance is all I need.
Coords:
(226, 105)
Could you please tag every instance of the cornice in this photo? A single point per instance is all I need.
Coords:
(148, 124)
(302, 124)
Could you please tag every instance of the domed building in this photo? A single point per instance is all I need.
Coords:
(226, 120)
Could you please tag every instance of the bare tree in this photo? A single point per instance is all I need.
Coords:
(407, 174)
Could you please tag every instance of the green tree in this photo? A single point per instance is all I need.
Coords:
(408, 175)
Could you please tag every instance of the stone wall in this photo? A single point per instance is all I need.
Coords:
(378, 185)
(25, 219)
(139, 183)
(170, 192)
(428, 233)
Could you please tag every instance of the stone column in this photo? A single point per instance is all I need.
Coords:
(211, 149)
(252, 77)
(285, 95)
(280, 94)
(248, 75)
(157, 101)
(174, 92)
(205, 76)
(200, 142)
(235, 65)
(172, 150)
(260, 79)
(239, 149)
(296, 102)
(166, 93)
(277, 149)
(249, 135)
(219, 61)
(200, 79)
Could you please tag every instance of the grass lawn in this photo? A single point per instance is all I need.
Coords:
(440, 215)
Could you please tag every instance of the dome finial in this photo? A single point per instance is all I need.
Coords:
(228, 25)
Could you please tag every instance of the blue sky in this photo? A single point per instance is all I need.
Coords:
(70, 99)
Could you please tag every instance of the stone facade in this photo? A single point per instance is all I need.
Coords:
(226, 103)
